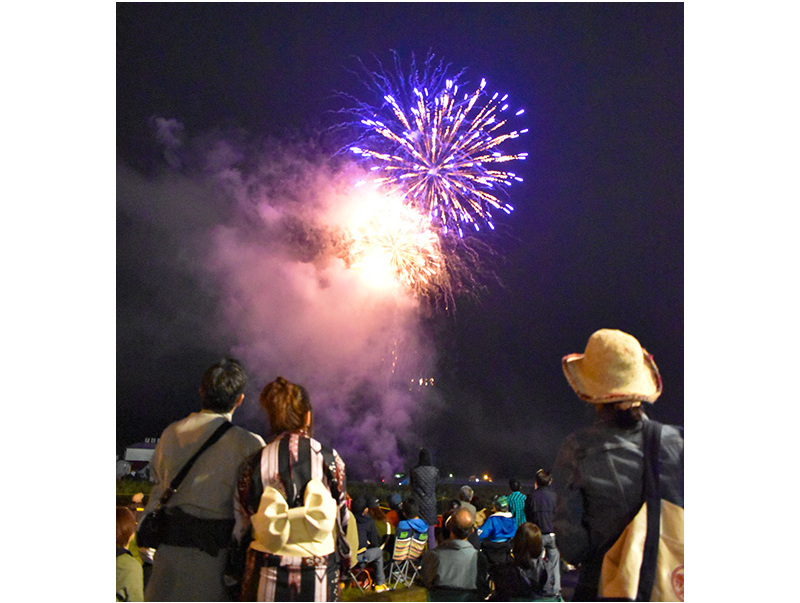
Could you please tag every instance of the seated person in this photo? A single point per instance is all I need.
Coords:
(500, 526)
(369, 543)
(527, 575)
(411, 520)
(497, 531)
(395, 503)
(384, 527)
(454, 570)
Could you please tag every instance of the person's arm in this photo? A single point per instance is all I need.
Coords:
(571, 532)
(487, 530)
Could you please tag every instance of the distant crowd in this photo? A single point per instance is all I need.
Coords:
(232, 517)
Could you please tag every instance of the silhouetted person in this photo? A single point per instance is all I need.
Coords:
(189, 566)
(369, 541)
(598, 474)
(293, 494)
(424, 478)
(455, 566)
(527, 575)
(541, 510)
(516, 502)
(130, 578)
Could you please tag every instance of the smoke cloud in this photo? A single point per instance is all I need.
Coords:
(261, 232)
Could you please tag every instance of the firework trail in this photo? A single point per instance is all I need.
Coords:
(438, 146)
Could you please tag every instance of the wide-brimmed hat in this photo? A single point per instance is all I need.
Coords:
(613, 368)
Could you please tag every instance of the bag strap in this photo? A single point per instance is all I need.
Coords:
(652, 492)
(173, 487)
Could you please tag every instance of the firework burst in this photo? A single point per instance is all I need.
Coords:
(438, 146)
(391, 243)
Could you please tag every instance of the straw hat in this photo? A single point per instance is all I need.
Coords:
(614, 368)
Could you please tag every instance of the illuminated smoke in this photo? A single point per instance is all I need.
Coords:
(289, 296)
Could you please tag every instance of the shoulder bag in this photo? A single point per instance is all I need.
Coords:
(154, 527)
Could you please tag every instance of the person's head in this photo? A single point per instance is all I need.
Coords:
(126, 526)
(514, 485)
(500, 503)
(543, 479)
(222, 388)
(374, 506)
(460, 524)
(410, 508)
(395, 501)
(359, 505)
(288, 406)
(424, 457)
(615, 373)
(527, 544)
(465, 494)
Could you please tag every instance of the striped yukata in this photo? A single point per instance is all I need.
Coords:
(286, 464)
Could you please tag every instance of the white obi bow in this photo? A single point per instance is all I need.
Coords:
(300, 532)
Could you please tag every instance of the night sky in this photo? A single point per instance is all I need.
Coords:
(209, 95)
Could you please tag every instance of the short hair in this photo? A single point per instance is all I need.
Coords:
(514, 485)
(286, 404)
(222, 385)
(543, 478)
(410, 508)
(461, 523)
(465, 493)
(126, 526)
(527, 544)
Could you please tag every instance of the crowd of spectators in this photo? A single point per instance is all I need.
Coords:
(271, 520)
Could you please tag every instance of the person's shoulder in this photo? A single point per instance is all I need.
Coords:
(247, 436)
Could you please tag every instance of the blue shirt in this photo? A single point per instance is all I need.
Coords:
(498, 528)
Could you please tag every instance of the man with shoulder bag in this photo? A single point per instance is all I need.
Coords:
(195, 464)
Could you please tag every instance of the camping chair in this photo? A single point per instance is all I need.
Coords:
(406, 569)
(418, 545)
(402, 548)
(359, 574)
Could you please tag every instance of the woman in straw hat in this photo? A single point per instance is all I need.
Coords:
(598, 474)
(291, 508)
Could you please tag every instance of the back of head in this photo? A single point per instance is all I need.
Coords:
(465, 494)
(222, 385)
(410, 508)
(514, 485)
(424, 457)
(527, 544)
(358, 505)
(287, 405)
(543, 478)
(126, 526)
(460, 523)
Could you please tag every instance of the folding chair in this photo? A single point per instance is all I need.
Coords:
(406, 569)
(359, 574)
(400, 553)
(418, 545)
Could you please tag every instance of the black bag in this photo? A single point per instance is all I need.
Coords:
(153, 529)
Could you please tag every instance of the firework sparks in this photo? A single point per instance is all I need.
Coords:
(440, 148)
(392, 243)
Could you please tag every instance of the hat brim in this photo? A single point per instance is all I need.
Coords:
(646, 388)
